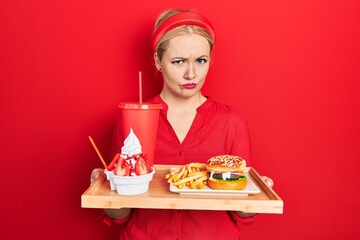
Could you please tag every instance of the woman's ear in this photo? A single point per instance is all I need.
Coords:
(157, 61)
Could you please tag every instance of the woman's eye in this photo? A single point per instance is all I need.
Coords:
(201, 60)
(180, 61)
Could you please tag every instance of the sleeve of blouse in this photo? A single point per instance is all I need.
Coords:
(240, 220)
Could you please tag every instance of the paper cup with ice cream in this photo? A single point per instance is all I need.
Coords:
(128, 172)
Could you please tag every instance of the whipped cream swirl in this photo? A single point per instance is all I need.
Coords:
(132, 145)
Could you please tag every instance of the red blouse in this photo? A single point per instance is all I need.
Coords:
(217, 129)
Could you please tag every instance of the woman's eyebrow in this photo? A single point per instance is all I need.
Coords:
(203, 56)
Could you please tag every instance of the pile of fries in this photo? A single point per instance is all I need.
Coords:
(193, 175)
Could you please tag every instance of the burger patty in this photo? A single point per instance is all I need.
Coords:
(232, 176)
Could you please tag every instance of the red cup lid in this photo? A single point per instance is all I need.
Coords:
(131, 105)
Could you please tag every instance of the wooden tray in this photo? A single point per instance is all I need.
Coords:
(99, 195)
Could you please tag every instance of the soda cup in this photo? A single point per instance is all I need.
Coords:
(143, 119)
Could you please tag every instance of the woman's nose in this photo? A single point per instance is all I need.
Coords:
(190, 72)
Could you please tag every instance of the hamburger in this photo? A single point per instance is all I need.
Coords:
(227, 172)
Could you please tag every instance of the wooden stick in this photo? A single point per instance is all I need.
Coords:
(98, 152)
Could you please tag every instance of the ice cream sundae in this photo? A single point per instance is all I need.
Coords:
(131, 161)
(128, 172)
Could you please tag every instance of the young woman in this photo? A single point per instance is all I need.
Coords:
(192, 128)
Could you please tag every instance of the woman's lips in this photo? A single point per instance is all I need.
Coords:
(189, 85)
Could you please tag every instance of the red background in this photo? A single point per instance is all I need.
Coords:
(291, 67)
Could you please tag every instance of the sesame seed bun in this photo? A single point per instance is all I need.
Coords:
(226, 163)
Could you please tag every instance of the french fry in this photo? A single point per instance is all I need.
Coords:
(175, 171)
(171, 179)
(192, 175)
(190, 178)
(198, 165)
(188, 168)
(185, 173)
(172, 173)
(178, 176)
(198, 181)
(197, 173)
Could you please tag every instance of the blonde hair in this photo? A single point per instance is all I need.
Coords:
(177, 31)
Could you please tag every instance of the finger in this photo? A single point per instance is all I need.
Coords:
(95, 174)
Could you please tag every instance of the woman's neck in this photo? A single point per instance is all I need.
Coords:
(182, 112)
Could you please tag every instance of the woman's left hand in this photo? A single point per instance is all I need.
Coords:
(95, 174)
